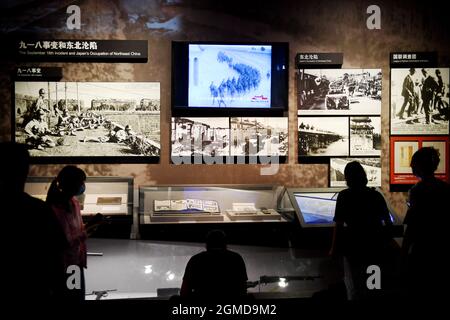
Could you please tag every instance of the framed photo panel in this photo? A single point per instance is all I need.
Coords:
(419, 103)
(88, 122)
(325, 92)
(372, 166)
(402, 150)
(323, 136)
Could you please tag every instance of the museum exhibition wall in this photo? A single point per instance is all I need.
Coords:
(319, 26)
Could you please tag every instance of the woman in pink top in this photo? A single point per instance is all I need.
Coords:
(61, 197)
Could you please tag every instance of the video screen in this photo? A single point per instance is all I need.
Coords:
(230, 76)
(317, 208)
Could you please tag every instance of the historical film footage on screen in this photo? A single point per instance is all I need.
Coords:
(365, 136)
(200, 137)
(372, 167)
(79, 119)
(230, 76)
(339, 92)
(259, 136)
(420, 101)
(323, 136)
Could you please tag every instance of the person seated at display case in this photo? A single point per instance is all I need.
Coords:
(32, 258)
(427, 219)
(61, 196)
(366, 240)
(216, 272)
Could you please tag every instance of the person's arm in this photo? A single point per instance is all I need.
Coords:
(186, 285)
(29, 130)
(336, 243)
(409, 234)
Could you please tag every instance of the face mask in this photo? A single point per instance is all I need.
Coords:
(82, 190)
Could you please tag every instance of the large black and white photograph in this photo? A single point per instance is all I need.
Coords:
(339, 92)
(88, 119)
(365, 136)
(200, 136)
(372, 167)
(323, 136)
(259, 136)
(420, 101)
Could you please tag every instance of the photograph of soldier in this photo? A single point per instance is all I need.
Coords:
(339, 91)
(259, 136)
(419, 101)
(323, 136)
(365, 136)
(408, 94)
(372, 167)
(37, 132)
(80, 116)
(200, 136)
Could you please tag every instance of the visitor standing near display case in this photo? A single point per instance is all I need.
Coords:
(366, 239)
(216, 272)
(32, 255)
(61, 196)
(426, 241)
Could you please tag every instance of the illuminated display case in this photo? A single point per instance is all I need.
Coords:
(110, 196)
(314, 207)
(211, 204)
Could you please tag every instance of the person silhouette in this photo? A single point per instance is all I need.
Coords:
(216, 272)
(32, 257)
(69, 183)
(366, 239)
(425, 240)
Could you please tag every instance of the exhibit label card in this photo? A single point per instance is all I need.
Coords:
(81, 50)
(37, 73)
(413, 59)
(320, 59)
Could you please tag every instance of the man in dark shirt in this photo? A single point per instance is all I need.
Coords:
(425, 242)
(33, 254)
(216, 272)
(366, 240)
(407, 93)
(429, 87)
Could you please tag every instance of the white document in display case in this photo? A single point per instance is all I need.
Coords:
(209, 203)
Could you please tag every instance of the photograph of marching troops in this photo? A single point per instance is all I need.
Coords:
(372, 167)
(420, 101)
(339, 91)
(88, 118)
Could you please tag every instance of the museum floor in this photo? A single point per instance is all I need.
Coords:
(150, 269)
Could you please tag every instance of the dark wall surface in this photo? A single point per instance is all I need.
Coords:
(320, 26)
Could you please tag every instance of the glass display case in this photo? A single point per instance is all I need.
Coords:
(110, 196)
(211, 204)
(315, 207)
